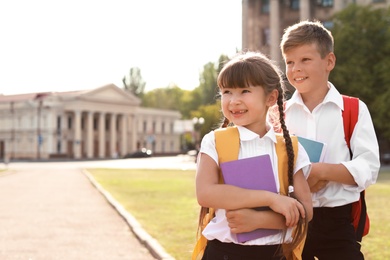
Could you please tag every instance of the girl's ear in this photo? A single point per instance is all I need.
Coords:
(272, 98)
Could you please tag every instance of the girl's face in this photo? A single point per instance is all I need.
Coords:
(306, 70)
(247, 106)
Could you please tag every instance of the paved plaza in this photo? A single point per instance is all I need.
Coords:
(53, 211)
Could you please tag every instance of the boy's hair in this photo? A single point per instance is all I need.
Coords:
(307, 32)
(255, 69)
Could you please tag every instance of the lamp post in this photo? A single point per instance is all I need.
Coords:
(197, 124)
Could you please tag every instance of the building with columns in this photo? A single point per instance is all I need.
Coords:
(263, 21)
(105, 122)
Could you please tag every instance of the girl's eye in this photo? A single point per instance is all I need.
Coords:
(225, 92)
(246, 91)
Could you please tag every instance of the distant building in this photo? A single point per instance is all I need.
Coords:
(105, 122)
(263, 21)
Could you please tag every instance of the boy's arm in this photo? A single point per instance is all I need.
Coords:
(322, 173)
(362, 170)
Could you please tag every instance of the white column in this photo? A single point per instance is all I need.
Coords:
(275, 30)
(113, 150)
(89, 141)
(134, 122)
(304, 10)
(338, 5)
(102, 134)
(123, 141)
(77, 135)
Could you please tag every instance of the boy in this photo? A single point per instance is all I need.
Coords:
(314, 111)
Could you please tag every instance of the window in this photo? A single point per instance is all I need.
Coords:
(265, 6)
(145, 126)
(325, 3)
(328, 24)
(95, 124)
(69, 122)
(294, 4)
(266, 37)
(58, 124)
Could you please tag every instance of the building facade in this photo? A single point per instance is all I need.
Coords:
(106, 122)
(263, 21)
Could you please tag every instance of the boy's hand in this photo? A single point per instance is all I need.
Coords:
(315, 182)
(319, 185)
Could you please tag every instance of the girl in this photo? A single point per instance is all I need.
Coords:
(250, 84)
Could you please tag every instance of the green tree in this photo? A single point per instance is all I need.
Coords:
(171, 97)
(208, 84)
(212, 117)
(362, 48)
(207, 91)
(134, 82)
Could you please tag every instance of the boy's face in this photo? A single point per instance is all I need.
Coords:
(306, 70)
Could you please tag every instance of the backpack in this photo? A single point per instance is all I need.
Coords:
(359, 216)
(227, 143)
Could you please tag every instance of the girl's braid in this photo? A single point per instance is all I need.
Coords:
(225, 122)
(287, 138)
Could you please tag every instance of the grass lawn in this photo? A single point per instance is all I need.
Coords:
(163, 202)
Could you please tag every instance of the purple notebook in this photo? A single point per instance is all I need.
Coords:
(254, 173)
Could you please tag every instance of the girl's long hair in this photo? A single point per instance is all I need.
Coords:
(255, 69)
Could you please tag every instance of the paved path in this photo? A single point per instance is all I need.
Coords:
(58, 214)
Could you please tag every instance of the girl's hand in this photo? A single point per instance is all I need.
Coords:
(242, 220)
(289, 207)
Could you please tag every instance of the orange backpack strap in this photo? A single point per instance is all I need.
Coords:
(227, 144)
(283, 161)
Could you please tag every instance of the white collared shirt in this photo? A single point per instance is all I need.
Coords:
(251, 144)
(325, 124)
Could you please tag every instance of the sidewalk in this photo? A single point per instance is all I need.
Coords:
(59, 214)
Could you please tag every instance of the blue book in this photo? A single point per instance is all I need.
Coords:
(315, 149)
(254, 173)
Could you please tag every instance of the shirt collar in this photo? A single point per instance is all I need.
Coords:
(247, 135)
(332, 96)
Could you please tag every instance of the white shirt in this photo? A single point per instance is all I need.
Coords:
(250, 145)
(325, 124)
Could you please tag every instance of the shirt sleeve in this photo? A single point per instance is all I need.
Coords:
(365, 163)
(208, 146)
(302, 162)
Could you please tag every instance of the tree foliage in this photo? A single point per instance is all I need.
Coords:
(212, 117)
(171, 97)
(362, 48)
(134, 82)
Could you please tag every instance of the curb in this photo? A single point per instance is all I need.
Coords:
(150, 243)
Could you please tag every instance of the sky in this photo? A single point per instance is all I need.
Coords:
(64, 45)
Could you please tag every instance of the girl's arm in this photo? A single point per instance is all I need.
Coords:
(214, 195)
(245, 220)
